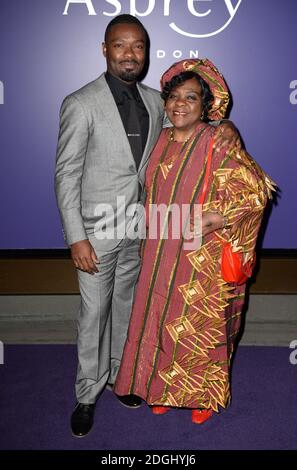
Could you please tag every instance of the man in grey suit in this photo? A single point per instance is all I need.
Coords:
(107, 131)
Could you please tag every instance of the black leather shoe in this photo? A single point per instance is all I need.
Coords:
(82, 419)
(131, 401)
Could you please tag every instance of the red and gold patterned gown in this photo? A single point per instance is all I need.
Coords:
(185, 318)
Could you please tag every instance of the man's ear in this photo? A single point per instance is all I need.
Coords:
(104, 49)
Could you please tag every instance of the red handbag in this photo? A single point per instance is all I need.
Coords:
(233, 268)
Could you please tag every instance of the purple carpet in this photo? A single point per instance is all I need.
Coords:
(37, 397)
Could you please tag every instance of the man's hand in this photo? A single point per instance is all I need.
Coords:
(84, 256)
(211, 221)
(227, 136)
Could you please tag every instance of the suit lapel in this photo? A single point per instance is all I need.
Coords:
(152, 124)
(112, 116)
(105, 101)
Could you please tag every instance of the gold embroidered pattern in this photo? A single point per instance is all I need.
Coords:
(196, 371)
(201, 260)
(238, 189)
(192, 292)
(167, 165)
(180, 328)
(210, 384)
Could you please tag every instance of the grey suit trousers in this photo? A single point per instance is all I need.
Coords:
(106, 304)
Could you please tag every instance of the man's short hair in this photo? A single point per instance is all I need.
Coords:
(124, 19)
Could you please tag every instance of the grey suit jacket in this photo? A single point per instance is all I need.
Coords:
(95, 164)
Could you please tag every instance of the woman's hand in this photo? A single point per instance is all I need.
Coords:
(211, 221)
(227, 135)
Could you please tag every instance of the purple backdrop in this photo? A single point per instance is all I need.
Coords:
(46, 55)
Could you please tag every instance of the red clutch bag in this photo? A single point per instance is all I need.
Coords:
(233, 269)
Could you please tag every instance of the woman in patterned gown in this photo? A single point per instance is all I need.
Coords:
(186, 317)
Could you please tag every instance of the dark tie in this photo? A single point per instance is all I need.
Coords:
(132, 126)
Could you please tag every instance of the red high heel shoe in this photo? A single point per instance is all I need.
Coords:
(160, 410)
(200, 416)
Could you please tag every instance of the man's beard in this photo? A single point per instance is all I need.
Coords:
(129, 75)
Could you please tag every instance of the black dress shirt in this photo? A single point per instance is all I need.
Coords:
(133, 113)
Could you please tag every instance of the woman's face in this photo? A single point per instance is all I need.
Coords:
(184, 105)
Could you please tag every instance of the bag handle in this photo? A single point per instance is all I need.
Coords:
(207, 172)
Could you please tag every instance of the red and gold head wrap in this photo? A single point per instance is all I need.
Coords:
(210, 75)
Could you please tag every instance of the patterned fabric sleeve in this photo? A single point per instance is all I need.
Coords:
(241, 190)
